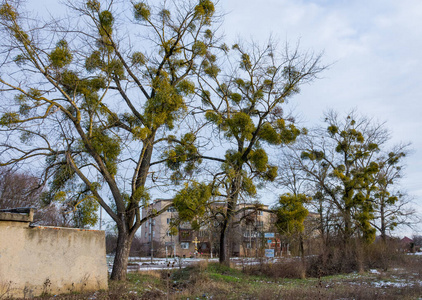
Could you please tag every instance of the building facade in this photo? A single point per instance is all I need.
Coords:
(158, 239)
(247, 233)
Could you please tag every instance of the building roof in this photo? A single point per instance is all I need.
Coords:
(406, 240)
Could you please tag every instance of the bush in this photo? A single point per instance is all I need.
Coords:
(382, 255)
(334, 260)
(289, 268)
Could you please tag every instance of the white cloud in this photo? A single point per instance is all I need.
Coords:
(376, 50)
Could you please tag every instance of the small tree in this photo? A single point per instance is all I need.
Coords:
(291, 214)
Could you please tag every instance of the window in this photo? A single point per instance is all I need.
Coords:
(171, 209)
(168, 220)
(184, 245)
(260, 223)
(248, 246)
(185, 225)
(260, 213)
(168, 233)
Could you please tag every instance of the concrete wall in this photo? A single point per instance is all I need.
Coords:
(52, 260)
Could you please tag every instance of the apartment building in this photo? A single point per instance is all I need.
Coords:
(156, 235)
(247, 233)
(249, 229)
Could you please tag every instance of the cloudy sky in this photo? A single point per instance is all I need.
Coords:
(373, 48)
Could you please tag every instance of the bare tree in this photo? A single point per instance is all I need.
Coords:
(20, 189)
(392, 207)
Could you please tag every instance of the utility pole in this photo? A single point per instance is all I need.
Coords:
(210, 241)
(256, 234)
(101, 216)
(151, 223)
(173, 244)
(250, 241)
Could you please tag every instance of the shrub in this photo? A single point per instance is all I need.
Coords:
(333, 261)
(382, 255)
(289, 268)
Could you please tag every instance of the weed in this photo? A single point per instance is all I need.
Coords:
(46, 287)
(289, 268)
(5, 289)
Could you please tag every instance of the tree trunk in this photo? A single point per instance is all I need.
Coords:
(347, 228)
(124, 241)
(321, 225)
(224, 257)
(383, 227)
(125, 236)
(302, 256)
(301, 247)
(227, 223)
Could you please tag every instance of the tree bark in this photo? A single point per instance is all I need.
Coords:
(383, 227)
(301, 247)
(224, 257)
(347, 234)
(121, 258)
(226, 227)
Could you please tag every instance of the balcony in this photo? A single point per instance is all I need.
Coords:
(186, 235)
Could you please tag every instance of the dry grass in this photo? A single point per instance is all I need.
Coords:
(212, 281)
(288, 268)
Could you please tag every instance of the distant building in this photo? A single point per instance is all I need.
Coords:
(407, 244)
(155, 233)
(247, 232)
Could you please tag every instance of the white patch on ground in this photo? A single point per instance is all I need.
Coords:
(137, 263)
(397, 284)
